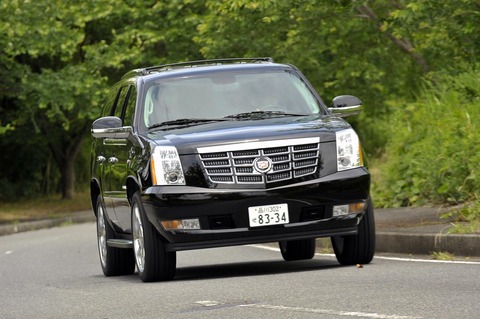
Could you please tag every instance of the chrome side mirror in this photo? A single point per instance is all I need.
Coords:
(346, 105)
(110, 127)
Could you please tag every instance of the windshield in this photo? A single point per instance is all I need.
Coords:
(220, 95)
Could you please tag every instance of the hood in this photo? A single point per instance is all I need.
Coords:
(188, 139)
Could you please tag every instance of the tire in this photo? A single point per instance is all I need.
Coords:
(114, 261)
(153, 262)
(298, 249)
(359, 248)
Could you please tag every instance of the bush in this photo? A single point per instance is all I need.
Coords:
(433, 153)
(465, 219)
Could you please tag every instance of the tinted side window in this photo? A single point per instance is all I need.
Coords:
(110, 102)
(130, 108)
(122, 94)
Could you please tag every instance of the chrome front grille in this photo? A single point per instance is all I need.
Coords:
(235, 163)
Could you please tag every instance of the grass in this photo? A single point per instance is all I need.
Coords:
(442, 256)
(42, 208)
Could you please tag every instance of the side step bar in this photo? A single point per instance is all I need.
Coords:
(120, 243)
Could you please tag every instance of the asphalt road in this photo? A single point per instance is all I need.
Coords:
(55, 273)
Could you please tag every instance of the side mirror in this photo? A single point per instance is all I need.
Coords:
(346, 105)
(110, 127)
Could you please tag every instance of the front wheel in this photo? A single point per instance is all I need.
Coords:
(359, 248)
(298, 249)
(114, 261)
(153, 262)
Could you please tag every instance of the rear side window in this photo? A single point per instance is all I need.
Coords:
(120, 102)
(115, 102)
(108, 107)
(130, 107)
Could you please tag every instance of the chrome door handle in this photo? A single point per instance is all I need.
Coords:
(101, 159)
(112, 160)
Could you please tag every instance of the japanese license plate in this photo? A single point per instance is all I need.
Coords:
(268, 215)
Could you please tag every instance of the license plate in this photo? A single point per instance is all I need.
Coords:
(268, 215)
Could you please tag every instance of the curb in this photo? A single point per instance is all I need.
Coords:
(75, 218)
(466, 245)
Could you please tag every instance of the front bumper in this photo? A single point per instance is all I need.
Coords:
(223, 213)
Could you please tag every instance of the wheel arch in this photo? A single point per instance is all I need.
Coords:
(94, 193)
(132, 187)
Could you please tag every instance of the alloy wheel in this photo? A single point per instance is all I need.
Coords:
(102, 236)
(138, 239)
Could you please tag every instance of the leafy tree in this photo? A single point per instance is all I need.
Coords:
(58, 57)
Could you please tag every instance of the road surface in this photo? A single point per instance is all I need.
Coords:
(55, 273)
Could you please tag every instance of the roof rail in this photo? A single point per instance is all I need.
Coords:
(165, 67)
(202, 62)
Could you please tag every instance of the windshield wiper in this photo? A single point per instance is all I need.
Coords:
(184, 122)
(260, 114)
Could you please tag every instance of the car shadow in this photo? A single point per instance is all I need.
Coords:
(244, 269)
(253, 268)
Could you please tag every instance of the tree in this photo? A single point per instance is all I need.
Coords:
(63, 55)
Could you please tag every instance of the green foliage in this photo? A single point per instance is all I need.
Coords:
(443, 33)
(58, 60)
(465, 220)
(4, 129)
(433, 153)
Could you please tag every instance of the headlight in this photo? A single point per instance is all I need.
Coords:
(349, 153)
(166, 166)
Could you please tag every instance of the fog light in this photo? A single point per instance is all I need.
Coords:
(181, 224)
(191, 224)
(342, 210)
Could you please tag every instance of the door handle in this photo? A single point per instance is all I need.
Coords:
(112, 160)
(101, 159)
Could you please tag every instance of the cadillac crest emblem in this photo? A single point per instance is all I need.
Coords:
(262, 164)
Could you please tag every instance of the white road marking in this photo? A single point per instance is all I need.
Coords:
(329, 312)
(357, 314)
(462, 262)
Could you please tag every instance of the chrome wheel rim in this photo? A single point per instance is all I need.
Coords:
(138, 239)
(102, 236)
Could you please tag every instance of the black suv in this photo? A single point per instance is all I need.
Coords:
(225, 152)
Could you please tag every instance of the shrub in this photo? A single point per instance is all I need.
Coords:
(433, 153)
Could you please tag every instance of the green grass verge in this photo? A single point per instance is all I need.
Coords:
(42, 208)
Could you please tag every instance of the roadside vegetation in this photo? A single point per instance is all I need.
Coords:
(433, 154)
(413, 63)
(44, 207)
